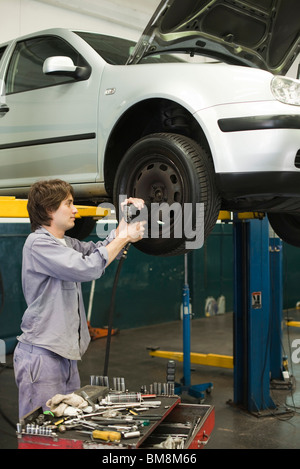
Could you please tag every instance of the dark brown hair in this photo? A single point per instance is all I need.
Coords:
(45, 197)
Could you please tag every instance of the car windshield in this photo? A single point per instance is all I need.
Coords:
(116, 50)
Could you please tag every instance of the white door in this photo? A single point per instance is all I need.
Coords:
(49, 126)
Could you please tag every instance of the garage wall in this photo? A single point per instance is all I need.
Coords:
(117, 17)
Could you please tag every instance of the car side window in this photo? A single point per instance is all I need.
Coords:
(25, 71)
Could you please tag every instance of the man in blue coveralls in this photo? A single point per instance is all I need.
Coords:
(54, 328)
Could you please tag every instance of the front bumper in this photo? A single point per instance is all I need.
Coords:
(252, 137)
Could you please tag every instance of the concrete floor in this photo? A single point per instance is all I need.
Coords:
(234, 428)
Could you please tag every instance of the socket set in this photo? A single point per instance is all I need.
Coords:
(97, 380)
(167, 389)
(118, 382)
(32, 429)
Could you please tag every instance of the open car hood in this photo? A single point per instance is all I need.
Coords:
(257, 33)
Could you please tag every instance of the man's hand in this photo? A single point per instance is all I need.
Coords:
(126, 232)
(133, 231)
(138, 203)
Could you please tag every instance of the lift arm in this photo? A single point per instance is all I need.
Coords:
(10, 207)
(209, 359)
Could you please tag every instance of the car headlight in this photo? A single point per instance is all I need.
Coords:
(286, 90)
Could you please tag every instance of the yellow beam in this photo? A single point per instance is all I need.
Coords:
(293, 323)
(90, 211)
(250, 215)
(10, 207)
(209, 359)
(224, 215)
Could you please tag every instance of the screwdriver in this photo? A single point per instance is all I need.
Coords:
(104, 435)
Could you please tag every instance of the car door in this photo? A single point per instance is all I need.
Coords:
(48, 127)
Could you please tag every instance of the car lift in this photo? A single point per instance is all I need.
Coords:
(258, 307)
(10, 207)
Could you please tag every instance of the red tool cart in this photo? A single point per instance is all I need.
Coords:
(170, 424)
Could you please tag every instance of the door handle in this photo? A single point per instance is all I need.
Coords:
(4, 108)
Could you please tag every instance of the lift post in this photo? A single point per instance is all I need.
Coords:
(257, 315)
(196, 390)
(276, 305)
(256, 323)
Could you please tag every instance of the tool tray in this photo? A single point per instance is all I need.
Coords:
(192, 423)
(185, 425)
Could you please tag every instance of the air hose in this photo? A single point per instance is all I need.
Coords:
(112, 307)
(129, 215)
(1, 293)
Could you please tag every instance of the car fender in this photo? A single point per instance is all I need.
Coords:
(264, 148)
(196, 87)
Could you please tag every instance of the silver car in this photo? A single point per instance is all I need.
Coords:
(148, 120)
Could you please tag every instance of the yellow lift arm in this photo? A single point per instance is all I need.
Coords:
(209, 359)
(293, 323)
(10, 207)
(226, 216)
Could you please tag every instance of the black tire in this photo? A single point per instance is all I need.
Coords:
(169, 168)
(82, 228)
(286, 226)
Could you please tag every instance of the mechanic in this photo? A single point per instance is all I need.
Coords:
(54, 328)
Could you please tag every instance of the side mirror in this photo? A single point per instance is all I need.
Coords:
(61, 65)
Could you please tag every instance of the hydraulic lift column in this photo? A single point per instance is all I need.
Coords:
(255, 326)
